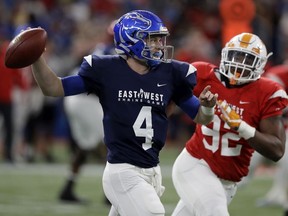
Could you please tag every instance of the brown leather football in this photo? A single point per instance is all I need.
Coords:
(26, 48)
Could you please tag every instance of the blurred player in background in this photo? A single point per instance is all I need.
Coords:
(278, 193)
(247, 119)
(10, 79)
(85, 116)
(135, 89)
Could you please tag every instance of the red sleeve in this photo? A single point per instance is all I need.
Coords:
(275, 104)
(19, 79)
(204, 70)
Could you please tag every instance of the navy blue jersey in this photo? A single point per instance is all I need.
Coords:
(134, 105)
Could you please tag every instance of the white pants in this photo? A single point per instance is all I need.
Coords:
(85, 116)
(133, 191)
(201, 192)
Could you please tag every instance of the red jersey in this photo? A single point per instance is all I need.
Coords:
(279, 74)
(9, 78)
(227, 154)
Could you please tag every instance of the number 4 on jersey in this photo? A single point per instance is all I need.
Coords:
(144, 118)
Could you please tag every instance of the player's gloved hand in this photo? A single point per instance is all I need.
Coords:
(229, 115)
(234, 120)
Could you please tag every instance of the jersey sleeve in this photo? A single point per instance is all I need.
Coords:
(204, 70)
(73, 85)
(91, 72)
(185, 80)
(275, 103)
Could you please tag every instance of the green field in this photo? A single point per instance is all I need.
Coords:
(31, 190)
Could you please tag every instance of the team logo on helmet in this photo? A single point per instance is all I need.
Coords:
(137, 21)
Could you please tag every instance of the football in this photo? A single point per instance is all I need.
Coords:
(26, 48)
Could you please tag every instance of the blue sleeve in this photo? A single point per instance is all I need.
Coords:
(190, 106)
(73, 85)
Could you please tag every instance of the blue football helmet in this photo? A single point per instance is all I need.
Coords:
(133, 33)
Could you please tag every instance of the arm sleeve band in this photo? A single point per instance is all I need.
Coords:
(246, 131)
(190, 106)
(208, 110)
(73, 85)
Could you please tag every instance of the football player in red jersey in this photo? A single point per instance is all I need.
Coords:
(247, 119)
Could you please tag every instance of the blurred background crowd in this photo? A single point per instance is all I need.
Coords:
(77, 28)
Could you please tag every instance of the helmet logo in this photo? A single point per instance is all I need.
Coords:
(137, 21)
(245, 40)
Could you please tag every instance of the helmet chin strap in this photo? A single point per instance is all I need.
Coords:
(145, 61)
(153, 63)
(155, 59)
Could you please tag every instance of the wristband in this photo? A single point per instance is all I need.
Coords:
(209, 111)
(246, 131)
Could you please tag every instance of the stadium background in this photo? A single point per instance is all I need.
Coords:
(198, 30)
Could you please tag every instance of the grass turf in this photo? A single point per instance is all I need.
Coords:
(32, 190)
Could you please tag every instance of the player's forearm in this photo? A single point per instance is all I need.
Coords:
(268, 139)
(46, 79)
(206, 110)
(205, 115)
(268, 145)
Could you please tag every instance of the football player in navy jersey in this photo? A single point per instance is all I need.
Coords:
(135, 88)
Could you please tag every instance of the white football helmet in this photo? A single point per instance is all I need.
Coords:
(243, 59)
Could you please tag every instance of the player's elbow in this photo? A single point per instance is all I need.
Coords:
(273, 149)
(278, 155)
(276, 158)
